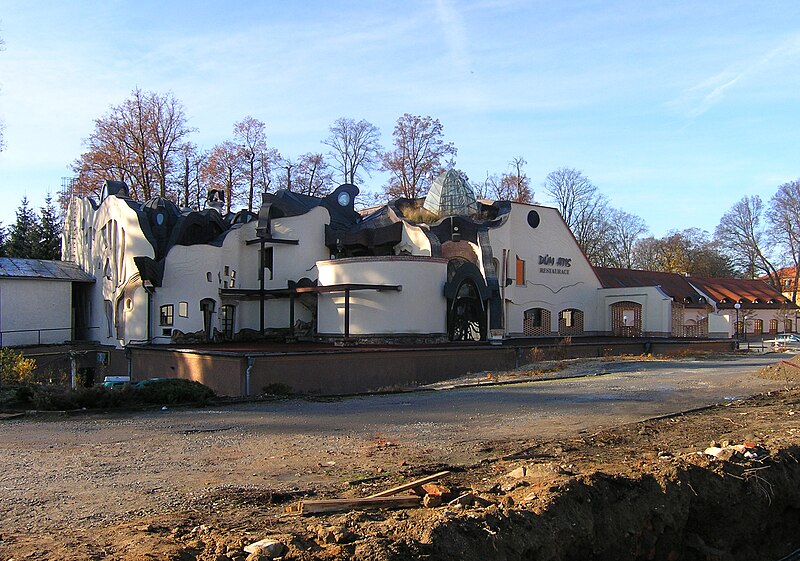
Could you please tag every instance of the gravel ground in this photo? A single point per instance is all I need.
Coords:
(66, 480)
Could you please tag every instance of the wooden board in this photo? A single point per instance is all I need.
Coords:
(339, 505)
(409, 485)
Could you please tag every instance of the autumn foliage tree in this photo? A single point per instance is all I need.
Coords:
(419, 155)
(139, 142)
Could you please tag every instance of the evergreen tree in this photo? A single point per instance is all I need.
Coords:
(23, 236)
(48, 232)
(2, 240)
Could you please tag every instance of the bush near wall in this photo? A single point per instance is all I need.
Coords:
(14, 367)
(58, 398)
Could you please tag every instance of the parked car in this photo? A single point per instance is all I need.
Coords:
(787, 340)
(116, 381)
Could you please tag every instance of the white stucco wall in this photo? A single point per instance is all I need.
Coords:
(103, 242)
(235, 265)
(568, 282)
(34, 311)
(419, 308)
(656, 307)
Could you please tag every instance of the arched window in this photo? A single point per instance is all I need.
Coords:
(570, 322)
(536, 321)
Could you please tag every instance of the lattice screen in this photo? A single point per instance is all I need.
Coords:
(626, 319)
(536, 321)
(570, 322)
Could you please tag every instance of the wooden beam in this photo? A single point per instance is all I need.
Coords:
(409, 485)
(339, 505)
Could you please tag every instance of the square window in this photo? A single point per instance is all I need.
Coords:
(166, 316)
(183, 309)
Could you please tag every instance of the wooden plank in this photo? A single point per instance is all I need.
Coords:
(409, 485)
(339, 505)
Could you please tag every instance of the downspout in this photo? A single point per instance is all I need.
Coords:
(149, 316)
(503, 292)
(251, 360)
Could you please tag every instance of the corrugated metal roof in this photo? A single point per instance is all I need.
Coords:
(11, 267)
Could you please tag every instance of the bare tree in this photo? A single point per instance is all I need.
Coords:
(222, 170)
(572, 193)
(487, 188)
(355, 146)
(420, 153)
(251, 135)
(269, 165)
(167, 130)
(191, 182)
(515, 185)
(312, 176)
(584, 209)
(626, 230)
(784, 218)
(742, 235)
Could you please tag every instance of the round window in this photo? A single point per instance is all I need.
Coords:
(343, 199)
(533, 219)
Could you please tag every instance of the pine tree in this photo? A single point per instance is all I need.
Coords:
(2, 240)
(22, 236)
(48, 232)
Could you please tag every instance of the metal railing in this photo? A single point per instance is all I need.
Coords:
(30, 341)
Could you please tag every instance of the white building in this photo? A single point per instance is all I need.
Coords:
(315, 267)
(37, 299)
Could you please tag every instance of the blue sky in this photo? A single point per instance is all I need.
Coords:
(675, 110)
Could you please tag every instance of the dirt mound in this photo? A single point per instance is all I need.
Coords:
(786, 370)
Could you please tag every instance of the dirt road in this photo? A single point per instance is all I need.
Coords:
(74, 487)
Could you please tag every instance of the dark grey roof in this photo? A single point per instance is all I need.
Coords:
(40, 269)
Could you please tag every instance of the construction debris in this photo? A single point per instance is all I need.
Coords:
(340, 505)
(385, 499)
(410, 485)
(729, 452)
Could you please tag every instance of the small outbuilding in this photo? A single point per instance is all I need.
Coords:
(37, 298)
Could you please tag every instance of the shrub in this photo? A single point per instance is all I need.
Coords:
(171, 390)
(14, 367)
(154, 392)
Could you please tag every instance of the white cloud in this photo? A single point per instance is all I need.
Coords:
(698, 99)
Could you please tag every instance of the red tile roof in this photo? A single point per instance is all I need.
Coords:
(672, 284)
(750, 293)
(690, 290)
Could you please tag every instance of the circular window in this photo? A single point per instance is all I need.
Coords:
(128, 304)
(533, 219)
(343, 199)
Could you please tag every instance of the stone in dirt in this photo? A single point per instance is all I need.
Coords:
(334, 534)
(266, 548)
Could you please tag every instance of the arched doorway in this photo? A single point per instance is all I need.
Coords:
(626, 319)
(467, 295)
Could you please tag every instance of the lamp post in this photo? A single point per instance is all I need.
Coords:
(738, 306)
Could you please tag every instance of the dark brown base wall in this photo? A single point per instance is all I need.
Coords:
(341, 371)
